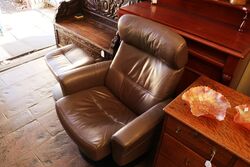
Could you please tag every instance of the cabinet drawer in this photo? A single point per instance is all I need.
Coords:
(240, 163)
(179, 154)
(197, 142)
(162, 161)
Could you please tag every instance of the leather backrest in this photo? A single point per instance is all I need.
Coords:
(148, 63)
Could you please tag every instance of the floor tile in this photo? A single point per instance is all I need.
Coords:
(58, 151)
(46, 91)
(36, 70)
(4, 54)
(16, 74)
(7, 38)
(2, 117)
(42, 107)
(79, 162)
(35, 134)
(17, 143)
(51, 122)
(2, 84)
(5, 155)
(10, 109)
(19, 48)
(22, 141)
(15, 123)
(28, 160)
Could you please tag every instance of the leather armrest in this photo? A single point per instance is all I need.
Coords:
(84, 77)
(134, 139)
(58, 51)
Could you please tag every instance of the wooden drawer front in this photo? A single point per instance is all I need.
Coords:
(179, 154)
(240, 163)
(197, 142)
(163, 162)
(204, 52)
(206, 60)
(202, 67)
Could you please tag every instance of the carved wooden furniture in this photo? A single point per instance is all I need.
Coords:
(187, 140)
(217, 33)
(92, 33)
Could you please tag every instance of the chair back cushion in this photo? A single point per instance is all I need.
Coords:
(148, 64)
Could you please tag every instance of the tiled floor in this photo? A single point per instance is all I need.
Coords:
(30, 132)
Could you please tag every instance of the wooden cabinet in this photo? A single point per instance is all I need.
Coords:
(89, 34)
(216, 47)
(95, 32)
(177, 153)
(197, 142)
(187, 140)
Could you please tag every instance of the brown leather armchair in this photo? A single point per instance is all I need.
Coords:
(114, 107)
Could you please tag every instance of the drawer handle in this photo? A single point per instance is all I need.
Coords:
(213, 154)
(208, 163)
(178, 130)
(187, 162)
(195, 134)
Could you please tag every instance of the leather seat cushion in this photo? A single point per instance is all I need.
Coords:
(91, 117)
(67, 58)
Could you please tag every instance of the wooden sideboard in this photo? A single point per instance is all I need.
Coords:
(187, 140)
(211, 29)
(95, 32)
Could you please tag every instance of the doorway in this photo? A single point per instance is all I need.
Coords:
(26, 27)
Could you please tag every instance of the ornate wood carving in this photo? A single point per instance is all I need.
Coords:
(68, 8)
(66, 37)
(107, 8)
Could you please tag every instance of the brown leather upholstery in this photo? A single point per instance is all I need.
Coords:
(115, 107)
(67, 58)
(98, 117)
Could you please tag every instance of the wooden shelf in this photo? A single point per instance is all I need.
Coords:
(89, 29)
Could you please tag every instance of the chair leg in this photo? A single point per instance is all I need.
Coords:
(106, 162)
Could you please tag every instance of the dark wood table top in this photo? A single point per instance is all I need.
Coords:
(205, 30)
(226, 133)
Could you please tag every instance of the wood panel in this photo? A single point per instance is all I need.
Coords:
(214, 9)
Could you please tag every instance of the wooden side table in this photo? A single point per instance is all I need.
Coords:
(187, 140)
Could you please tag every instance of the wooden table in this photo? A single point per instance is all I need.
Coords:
(210, 28)
(188, 140)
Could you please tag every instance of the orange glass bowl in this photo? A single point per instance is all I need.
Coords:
(243, 115)
(205, 101)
